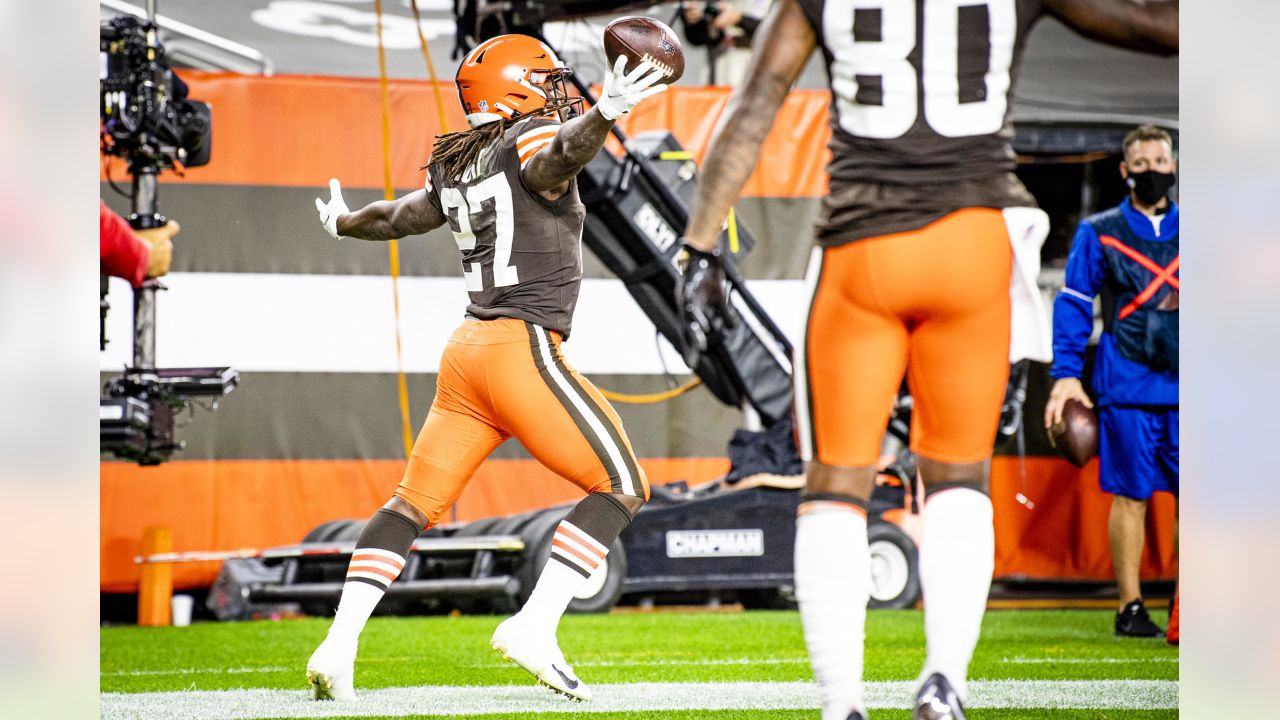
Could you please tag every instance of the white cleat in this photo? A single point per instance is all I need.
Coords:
(539, 654)
(331, 673)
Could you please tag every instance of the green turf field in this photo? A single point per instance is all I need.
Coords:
(659, 666)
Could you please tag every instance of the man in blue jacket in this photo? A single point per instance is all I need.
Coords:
(1129, 255)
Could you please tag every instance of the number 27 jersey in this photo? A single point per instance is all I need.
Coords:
(920, 112)
(521, 253)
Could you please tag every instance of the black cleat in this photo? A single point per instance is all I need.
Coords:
(1133, 621)
(937, 700)
(855, 715)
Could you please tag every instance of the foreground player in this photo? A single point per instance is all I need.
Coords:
(507, 189)
(912, 274)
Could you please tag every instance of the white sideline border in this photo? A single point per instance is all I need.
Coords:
(516, 701)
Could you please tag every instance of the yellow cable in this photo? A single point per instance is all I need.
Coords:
(431, 68)
(733, 232)
(651, 398)
(389, 193)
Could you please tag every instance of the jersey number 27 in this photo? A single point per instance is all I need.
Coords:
(857, 60)
(482, 219)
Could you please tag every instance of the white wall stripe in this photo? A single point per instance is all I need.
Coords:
(344, 323)
(800, 377)
(775, 350)
(528, 700)
(599, 548)
(575, 397)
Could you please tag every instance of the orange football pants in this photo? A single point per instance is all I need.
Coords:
(932, 302)
(506, 378)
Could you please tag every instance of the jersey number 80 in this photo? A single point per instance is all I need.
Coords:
(901, 86)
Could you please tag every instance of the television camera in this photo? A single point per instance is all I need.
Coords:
(148, 120)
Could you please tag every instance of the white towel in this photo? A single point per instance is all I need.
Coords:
(1030, 332)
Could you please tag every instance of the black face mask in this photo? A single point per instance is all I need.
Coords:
(1150, 186)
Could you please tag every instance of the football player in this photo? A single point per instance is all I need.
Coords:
(911, 273)
(507, 189)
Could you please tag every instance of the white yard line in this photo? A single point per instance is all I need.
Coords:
(658, 662)
(197, 671)
(517, 701)
(668, 662)
(1088, 661)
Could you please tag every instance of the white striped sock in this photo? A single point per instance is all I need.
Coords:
(833, 585)
(556, 586)
(957, 558)
(357, 604)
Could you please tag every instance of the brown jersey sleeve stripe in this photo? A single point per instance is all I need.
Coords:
(537, 339)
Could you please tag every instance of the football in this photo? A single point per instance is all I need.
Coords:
(645, 39)
(1076, 437)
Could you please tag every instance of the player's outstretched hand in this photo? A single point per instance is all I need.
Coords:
(702, 299)
(330, 211)
(623, 91)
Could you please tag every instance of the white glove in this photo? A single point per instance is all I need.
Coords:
(623, 91)
(336, 206)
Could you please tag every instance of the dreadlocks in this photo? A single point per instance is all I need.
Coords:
(456, 151)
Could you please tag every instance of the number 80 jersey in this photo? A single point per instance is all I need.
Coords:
(919, 110)
(521, 253)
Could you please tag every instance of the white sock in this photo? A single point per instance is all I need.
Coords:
(833, 585)
(357, 604)
(551, 596)
(957, 558)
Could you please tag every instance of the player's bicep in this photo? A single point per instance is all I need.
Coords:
(545, 171)
(1145, 26)
(415, 214)
(542, 169)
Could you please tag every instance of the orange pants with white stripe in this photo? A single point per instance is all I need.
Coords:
(506, 378)
(933, 303)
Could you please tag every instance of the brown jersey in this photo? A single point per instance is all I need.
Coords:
(521, 253)
(920, 112)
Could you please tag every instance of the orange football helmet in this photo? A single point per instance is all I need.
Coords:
(511, 76)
